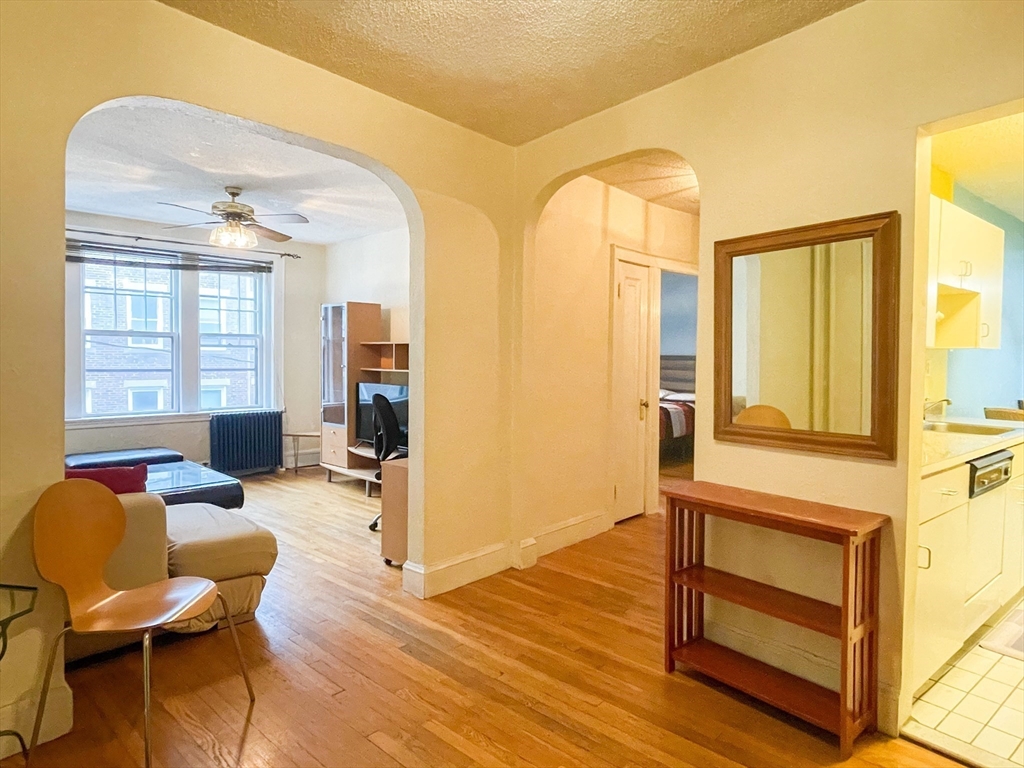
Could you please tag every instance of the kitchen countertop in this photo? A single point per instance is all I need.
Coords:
(942, 450)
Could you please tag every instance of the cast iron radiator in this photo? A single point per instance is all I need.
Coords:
(245, 442)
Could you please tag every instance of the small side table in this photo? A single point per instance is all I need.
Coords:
(296, 437)
(15, 601)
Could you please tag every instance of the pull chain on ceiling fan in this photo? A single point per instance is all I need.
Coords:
(237, 224)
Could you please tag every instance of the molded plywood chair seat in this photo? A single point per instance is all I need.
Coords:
(1005, 414)
(763, 416)
(78, 525)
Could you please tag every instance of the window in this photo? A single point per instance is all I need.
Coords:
(139, 354)
(212, 398)
(117, 300)
(230, 309)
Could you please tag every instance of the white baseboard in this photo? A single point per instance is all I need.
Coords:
(308, 457)
(567, 532)
(20, 715)
(433, 579)
(525, 556)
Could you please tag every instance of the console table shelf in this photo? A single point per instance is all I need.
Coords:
(780, 603)
(848, 712)
(806, 700)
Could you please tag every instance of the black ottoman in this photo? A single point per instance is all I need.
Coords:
(185, 482)
(130, 458)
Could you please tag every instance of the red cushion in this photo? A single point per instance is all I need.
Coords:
(117, 479)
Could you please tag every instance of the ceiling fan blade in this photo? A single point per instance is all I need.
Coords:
(277, 237)
(194, 210)
(285, 218)
(197, 224)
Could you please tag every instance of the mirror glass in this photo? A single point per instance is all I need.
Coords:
(802, 337)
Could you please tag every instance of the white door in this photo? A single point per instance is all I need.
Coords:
(630, 398)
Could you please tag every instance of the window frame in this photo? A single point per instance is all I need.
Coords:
(185, 391)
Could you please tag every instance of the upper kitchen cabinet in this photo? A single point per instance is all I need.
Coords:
(965, 279)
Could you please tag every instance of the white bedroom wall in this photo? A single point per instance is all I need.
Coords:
(374, 269)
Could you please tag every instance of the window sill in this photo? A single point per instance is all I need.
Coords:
(106, 422)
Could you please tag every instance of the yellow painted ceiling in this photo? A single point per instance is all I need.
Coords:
(659, 177)
(512, 69)
(987, 159)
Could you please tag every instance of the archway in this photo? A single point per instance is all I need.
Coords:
(608, 232)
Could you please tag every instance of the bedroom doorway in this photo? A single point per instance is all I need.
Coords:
(678, 359)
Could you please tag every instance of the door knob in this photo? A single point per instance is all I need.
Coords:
(644, 405)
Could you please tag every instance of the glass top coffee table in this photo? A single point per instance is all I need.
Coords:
(185, 482)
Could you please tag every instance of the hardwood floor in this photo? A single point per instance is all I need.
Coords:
(556, 665)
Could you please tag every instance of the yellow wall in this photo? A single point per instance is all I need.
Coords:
(818, 125)
(61, 59)
(565, 476)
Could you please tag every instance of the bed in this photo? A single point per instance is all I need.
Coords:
(676, 405)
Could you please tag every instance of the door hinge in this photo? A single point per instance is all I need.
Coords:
(615, 491)
(619, 291)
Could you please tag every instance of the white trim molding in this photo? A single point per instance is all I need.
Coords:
(428, 580)
(567, 532)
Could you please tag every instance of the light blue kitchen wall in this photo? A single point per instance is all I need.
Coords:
(980, 378)
(678, 314)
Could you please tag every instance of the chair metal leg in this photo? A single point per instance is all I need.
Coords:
(43, 694)
(147, 651)
(238, 646)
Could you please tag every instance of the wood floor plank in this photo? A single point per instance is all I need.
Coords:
(555, 665)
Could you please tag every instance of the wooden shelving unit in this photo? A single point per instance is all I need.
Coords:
(392, 357)
(847, 712)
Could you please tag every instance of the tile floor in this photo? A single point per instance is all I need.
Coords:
(975, 710)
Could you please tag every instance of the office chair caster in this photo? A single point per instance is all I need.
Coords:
(375, 523)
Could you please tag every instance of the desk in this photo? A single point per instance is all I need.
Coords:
(848, 712)
(394, 511)
(296, 437)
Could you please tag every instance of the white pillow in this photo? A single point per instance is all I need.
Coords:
(680, 397)
(663, 393)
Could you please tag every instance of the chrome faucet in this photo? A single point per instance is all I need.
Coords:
(929, 405)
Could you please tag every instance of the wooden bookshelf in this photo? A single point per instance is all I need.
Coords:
(848, 712)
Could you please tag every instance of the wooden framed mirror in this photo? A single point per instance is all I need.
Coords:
(807, 337)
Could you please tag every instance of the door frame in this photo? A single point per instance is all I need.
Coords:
(656, 265)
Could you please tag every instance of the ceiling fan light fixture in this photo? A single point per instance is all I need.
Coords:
(233, 235)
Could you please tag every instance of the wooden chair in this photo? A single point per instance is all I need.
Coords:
(763, 416)
(78, 525)
(1005, 414)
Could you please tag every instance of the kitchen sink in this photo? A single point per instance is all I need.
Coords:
(964, 429)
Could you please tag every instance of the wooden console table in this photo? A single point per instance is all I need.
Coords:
(847, 713)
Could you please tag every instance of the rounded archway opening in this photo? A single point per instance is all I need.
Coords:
(609, 331)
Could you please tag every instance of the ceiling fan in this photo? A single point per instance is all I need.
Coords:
(237, 222)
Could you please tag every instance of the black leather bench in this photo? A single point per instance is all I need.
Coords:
(171, 478)
(129, 458)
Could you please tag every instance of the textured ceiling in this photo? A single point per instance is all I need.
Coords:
(125, 160)
(987, 159)
(512, 69)
(660, 177)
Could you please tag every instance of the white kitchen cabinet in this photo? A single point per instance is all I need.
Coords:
(965, 278)
(942, 569)
(986, 524)
(1013, 541)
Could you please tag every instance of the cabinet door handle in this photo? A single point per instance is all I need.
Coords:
(984, 330)
(949, 492)
(929, 551)
(970, 268)
(963, 269)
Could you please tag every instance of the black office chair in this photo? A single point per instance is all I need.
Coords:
(386, 437)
